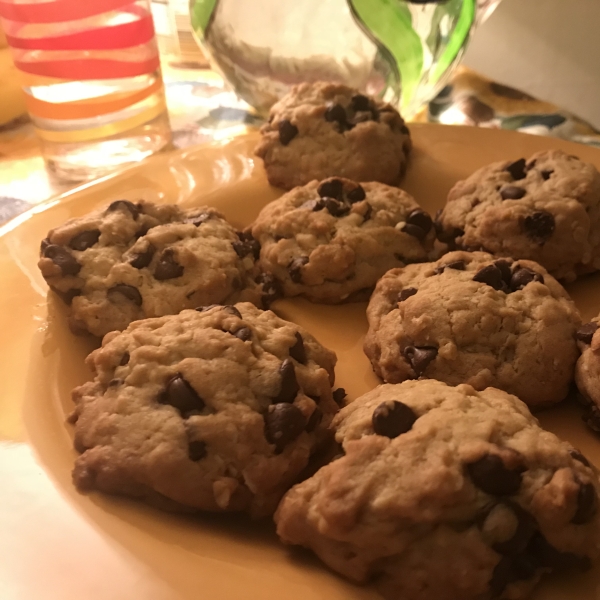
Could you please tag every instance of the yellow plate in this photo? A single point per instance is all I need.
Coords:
(58, 545)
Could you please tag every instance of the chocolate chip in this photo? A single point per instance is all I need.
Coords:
(125, 206)
(448, 236)
(512, 192)
(546, 174)
(295, 268)
(525, 528)
(124, 359)
(67, 297)
(198, 219)
(360, 102)
(392, 419)
(289, 384)
(406, 293)
(287, 132)
(523, 276)
(182, 396)
(339, 395)
(272, 288)
(208, 307)
(586, 332)
(335, 113)
(356, 195)
(314, 419)
(167, 267)
(576, 455)
(62, 258)
(128, 291)
(547, 556)
(509, 570)
(414, 230)
(283, 424)
(246, 247)
(539, 226)
(196, 450)
(44, 244)
(517, 169)
(232, 310)
(331, 188)
(504, 267)
(243, 334)
(336, 208)
(115, 382)
(587, 504)
(419, 357)
(85, 239)
(491, 475)
(421, 219)
(457, 265)
(490, 275)
(142, 259)
(297, 351)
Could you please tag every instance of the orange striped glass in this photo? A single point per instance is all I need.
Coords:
(91, 74)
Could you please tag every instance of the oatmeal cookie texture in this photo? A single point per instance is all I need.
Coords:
(131, 260)
(445, 492)
(546, 208)
(322, 130)
(472, 318)
(217, 409)
(587, 371)
(330, 241)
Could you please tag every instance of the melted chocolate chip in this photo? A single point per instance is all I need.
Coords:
(539, 226)
(128, 291)
(115, 382)
(142, 259)
(490, 475)
(283, 424)
(421, 219)
(125, 206)
(295, 268)
(586, 332)
(287, 132)
(63, 259)
(289, 384)
(124, 359)
(359, 102)
(335, 113)
(196, 450)
(457, 265)
(414, 230)
(67, 297)
(339, 395)
(392, 419)
(547, 556)
(448, 236)
(587, 504)
(356, 195)
(182, 396)
(198, 219)
(232, 310)
(335, 208)
(504, 267)
(85, 239)
(247, 247)
(331, 188)
(517, 169)
(244, 334)
(406, 293)
(297, 351)
(490, 275)
(314, 419)
(167, 266)
(546, 174)
(523, 276)
(420, 357)
(576, 455)
(509, 570)
(272, 289)
(512, 192)
(524, 530)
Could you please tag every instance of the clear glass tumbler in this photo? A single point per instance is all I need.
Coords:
(92, 79)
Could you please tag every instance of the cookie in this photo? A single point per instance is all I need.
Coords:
(545, 209)
(587, 371)
(131, 261)
(321, 130)
(446, 492)
(330, 241)
(217, 409)
(471, 318)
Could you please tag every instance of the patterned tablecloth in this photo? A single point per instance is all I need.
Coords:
(202, 108)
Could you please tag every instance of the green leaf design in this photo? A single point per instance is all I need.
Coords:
(201, 13)
(389, 22)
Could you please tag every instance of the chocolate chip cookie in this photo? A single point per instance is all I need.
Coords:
(472, 318)
(587, 371)
(321, 130)
(446, 493)
(330, 241)
(217, 409)
(545, 209)
(130, 261)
